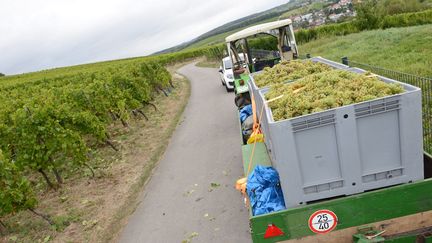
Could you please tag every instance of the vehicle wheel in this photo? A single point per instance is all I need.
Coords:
(228, 89)
(222, 82)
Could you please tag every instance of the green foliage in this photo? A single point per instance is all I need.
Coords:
(371, 12)
(368, 14)
(306, 35)
(326, 90)
(15, 190)
(408, 19)
(368, 17)
(41, 142)
(48, 131)
(405, 49)
(65, 73)
(49, 120)
(391, 7)
(264, 43)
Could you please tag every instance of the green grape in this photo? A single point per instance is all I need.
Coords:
(326, 90)
(49, 125)
(16, 193)
(287, 71)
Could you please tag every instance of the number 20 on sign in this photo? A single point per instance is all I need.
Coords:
(322, 221)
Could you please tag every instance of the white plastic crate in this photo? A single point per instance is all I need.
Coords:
(349, 149)
(254, 90)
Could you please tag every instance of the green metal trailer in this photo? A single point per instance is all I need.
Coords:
(401, 213)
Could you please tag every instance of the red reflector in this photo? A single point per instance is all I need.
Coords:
(241, 82)
(272, 231)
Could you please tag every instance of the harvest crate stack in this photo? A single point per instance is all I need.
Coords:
(255, 88)
(354, 145)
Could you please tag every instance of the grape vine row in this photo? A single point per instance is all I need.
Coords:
(50, 120)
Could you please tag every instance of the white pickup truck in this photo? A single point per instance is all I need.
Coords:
(226, 72)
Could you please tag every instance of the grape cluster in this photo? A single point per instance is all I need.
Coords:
(287, 71)
(326, 90)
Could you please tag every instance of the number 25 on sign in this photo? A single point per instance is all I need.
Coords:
(322, 221)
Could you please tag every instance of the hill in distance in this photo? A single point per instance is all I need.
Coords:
(264, 16)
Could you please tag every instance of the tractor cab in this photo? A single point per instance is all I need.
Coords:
(264, 45)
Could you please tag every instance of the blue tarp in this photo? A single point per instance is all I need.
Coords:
(264, 191)
(245, 112)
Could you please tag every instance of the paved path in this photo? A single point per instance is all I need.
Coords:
(179, 199)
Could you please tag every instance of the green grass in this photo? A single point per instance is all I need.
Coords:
(407, 49)
(208, 64)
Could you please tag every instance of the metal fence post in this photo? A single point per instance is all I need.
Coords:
(345, 61)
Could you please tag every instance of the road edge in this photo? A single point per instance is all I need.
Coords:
(112, 232)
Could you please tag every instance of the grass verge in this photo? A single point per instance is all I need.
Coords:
(406, 49)
(205, 63)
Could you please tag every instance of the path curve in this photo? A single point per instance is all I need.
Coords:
(179, 202)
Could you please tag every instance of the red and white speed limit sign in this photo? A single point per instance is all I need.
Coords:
(322, 221)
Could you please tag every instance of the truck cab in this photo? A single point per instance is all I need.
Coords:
(265, 45)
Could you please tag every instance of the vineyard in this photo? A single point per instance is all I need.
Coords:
(51, 121)
(49, 126)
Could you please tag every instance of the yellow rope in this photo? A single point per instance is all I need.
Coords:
(241, 183)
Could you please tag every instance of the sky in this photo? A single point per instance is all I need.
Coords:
(43, 34)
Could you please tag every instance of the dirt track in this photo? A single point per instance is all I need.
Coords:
(191, 195)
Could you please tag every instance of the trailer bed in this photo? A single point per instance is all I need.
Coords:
(403, 211)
